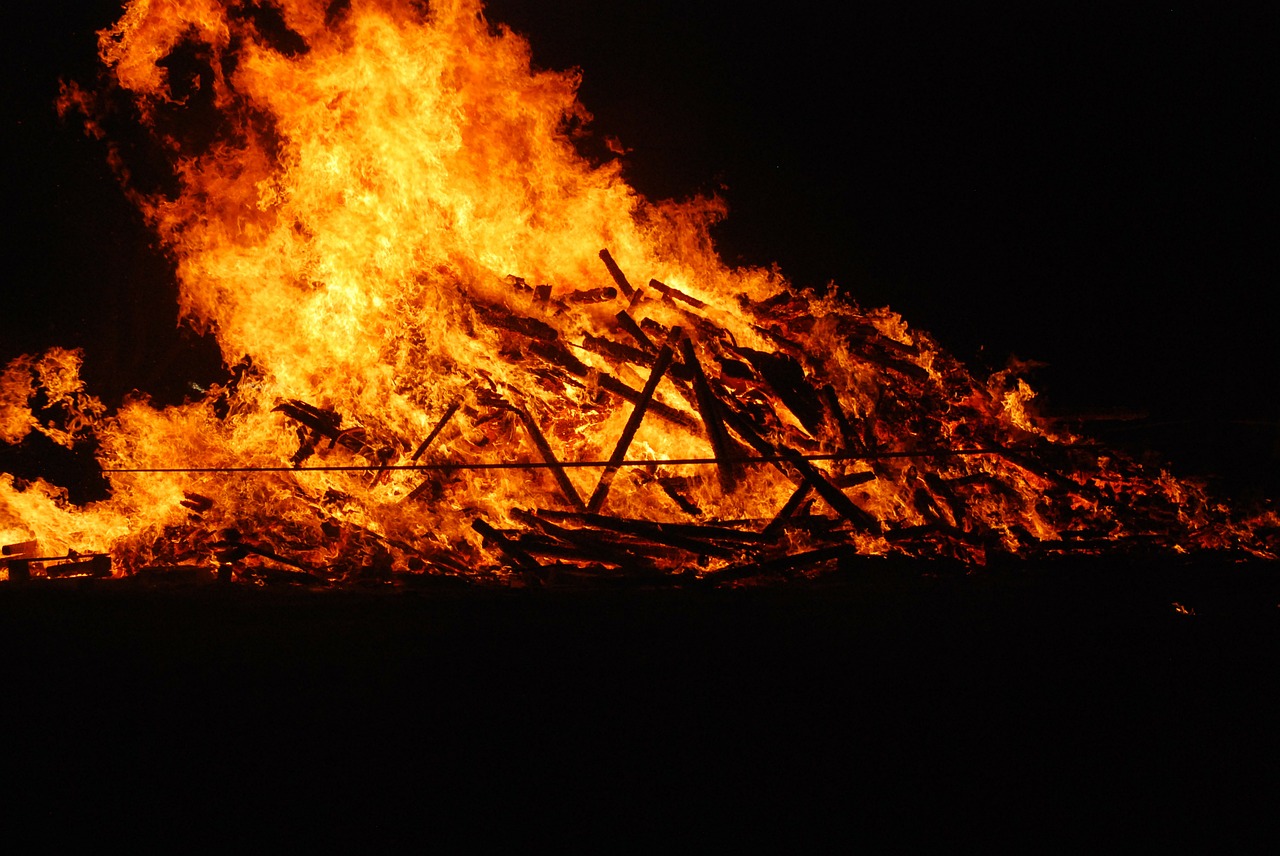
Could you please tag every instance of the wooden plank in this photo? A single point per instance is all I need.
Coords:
(616, 272)
(507, 546)
(500, 316)
(544, 448)
(787, 378)
(660, 365)
(435, 432)
(709, 408)
(676, 294)
(848, 436)
(629, 325)
(593, 295)
(789, 508)
(796, 468)
(617, 351)
(555, 352)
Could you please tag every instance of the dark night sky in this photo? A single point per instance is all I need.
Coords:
(1089, 188)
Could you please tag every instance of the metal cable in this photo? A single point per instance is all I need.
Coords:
(544, 465)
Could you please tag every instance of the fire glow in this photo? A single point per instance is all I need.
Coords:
(457, 346)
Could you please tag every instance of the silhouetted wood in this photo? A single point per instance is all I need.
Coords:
(676, 294)
(629, 430)
(508, 546)
(97, 565)
(796, 468)
(196, 503)
(833, 496)
(675, 490)
(907, 533)
(655, 330)
(585, 544)
(774, 335)
(617, 351)
(544, 448)
(790, 507)
(772, 306)
(593, 295)
(879, 356)
(17, 558)
(500, 316)
(709, 409)
(850, 440)
(940, 488)
(735, 369)
(237, 548)
(325, 423)
(786, 377)
(616, 273)
(924, 503)
(435, 431)
(555, 352)
(632, 329)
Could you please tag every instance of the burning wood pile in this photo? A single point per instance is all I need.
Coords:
(440, 375)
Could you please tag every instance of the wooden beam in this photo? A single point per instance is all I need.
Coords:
(709, 408)
(544, 448)
(616, 272)
(435, 432)
(660, 365)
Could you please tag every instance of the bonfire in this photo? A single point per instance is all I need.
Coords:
(457, 347)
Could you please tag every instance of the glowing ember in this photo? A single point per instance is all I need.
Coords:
(455, 342)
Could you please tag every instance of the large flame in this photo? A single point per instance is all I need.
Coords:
(363, 221)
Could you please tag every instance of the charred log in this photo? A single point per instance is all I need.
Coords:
(617, 351)
(632, 329)
(501, 317)
(786, 377)
(508, 547)
(850, 441)
(676, 294)
(557, 354)
(544, 448)
(593, 295)
(709, 408)
(435, 431)
(616, 272)
(789, 508)
(629, 430)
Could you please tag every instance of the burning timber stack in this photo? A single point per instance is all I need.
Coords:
(848, 436)
(382, 215)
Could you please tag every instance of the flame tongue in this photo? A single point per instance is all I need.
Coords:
(398, 245)
(363, 179)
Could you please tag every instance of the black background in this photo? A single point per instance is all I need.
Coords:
(1081, 185)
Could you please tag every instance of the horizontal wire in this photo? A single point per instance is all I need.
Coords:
(545, 465)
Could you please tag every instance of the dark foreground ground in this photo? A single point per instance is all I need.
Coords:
(1054, 706)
